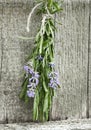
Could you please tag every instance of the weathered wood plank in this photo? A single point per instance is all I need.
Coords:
(15, 51)
(71, 54)
(15, 1)
(54, 125)
(72, 60)
(90, 64)
(2, 97)
(0, 40)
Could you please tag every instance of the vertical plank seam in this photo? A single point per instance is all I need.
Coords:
(87, 100)
(1, 58)
(1, 53)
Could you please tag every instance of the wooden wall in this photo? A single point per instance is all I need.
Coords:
(72, 45)
(89, 66)
(72, 57)
(13, 52)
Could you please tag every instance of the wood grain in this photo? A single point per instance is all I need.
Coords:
(15, 51)
(72, 60)
(2, 97)
(89, 74)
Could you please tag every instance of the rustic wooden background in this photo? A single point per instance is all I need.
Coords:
(72, 57)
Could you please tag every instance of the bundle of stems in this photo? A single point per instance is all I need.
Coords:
(40, 79)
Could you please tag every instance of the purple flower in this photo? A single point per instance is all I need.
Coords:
(53, 85)
(26, 68)
(31, 71)
(35, 74)
(51, 64)
(57, 81)
(34, 80)
(53, 75)
(54, 82)
(30, 93)
(39, 57)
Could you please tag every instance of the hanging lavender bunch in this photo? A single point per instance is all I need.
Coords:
(40, 79)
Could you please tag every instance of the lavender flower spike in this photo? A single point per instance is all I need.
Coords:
(35, 74)
(34, 80)
(54, 82)
(39, 57)
(30, 93)
(53, 75)
(31, 71)
(51, 64)
(53, 85)
(26, 68)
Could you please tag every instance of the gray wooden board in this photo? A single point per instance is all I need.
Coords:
(71, 58)
(2, 97)
(53, 125)
(15, 1)
(90, 64)
(0, 40)
(13, 24)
